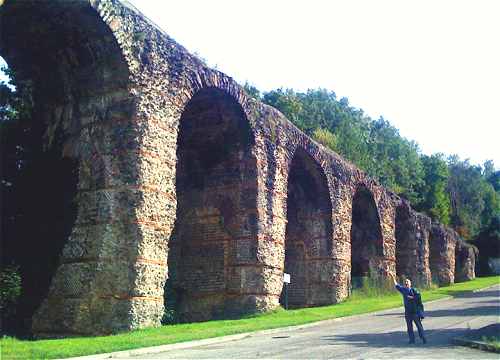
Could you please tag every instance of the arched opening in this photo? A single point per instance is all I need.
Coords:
(216, 205)
(461, 259)
(435, 255)
(366, 237)
(465, 261)
(68, 72)
(308, 237)
(405, 243)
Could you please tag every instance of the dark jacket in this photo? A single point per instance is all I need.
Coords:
(412, 306)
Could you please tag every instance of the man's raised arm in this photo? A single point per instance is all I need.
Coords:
(396, 285)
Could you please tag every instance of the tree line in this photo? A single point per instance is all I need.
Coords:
(450, 190)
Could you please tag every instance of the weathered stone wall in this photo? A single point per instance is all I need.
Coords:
(182, 175)
(442, 243)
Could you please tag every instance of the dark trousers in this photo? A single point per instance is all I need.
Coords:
(410, 319)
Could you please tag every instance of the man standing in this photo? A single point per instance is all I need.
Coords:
(411, 298)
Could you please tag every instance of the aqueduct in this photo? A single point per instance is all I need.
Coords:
(181, 175)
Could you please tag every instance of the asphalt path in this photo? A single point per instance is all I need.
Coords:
(371, 336)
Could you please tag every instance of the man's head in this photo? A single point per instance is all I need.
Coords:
(408, 283)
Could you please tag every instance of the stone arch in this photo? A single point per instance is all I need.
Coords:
(308, 236)
(216, 214)
(366, 236)
(80, 90)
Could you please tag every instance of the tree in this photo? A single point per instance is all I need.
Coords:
(491, 175)
(488, 244)
(435, 199)
(474, 201)
(326, 138)
(252, 90)
(397, 160)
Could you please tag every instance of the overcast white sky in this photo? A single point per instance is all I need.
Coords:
(432, 68)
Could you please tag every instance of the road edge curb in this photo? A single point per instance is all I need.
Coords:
(481, 345)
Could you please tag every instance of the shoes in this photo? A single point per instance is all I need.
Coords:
(424, 340)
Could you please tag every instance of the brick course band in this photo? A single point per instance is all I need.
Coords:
(109, 259)
(124, 297)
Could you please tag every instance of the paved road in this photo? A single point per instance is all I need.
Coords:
(379, 335)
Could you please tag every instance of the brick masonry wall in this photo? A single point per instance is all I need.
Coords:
(125, 92)
(442, 244)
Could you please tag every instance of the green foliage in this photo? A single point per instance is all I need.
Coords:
(493, 341)
(325, 138)
(10, 289)
(397, 164)
(252, 91)
(287, 102)
(435, 198)
(366, 286)
(474, 201)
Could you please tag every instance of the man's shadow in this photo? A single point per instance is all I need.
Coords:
(395, 339)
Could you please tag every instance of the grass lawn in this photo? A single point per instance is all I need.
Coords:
(11, 348)
(492, 341)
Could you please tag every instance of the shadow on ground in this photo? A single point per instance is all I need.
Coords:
(396, 339)
(490, 306)
(471, 294)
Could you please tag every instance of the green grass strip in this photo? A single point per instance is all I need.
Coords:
(493, 341)
(12, 348)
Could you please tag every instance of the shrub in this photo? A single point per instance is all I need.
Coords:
(10, 289)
